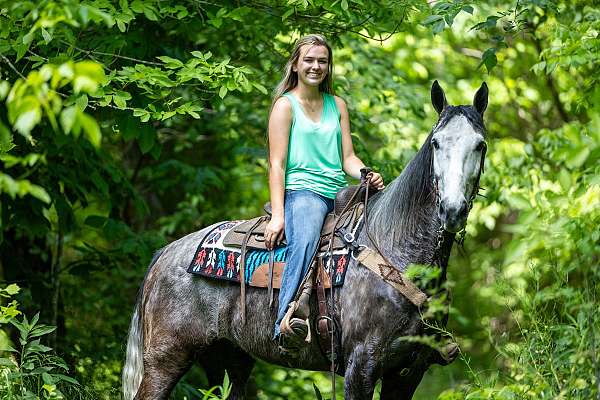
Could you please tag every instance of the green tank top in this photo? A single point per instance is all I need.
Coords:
(314, 160)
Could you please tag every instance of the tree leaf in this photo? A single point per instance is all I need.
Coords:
(68, 117)
(119, 102)
(96, 221)
(30, 114)
(260, 87)
(36, 347)
(12, 289)
(42, 330)
(170, 62)
(47, 378)
(488, 58)
(4, 88)
(88, 75)
(90, 128)
(65, 378)
(438, 27)
(468, 9)
(146, 138)
(223, 92)
(431, 19)
(82, 102)
(46, 35)
(287, 14)
(28, 38)
(39, 193)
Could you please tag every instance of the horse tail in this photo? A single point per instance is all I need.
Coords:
(133, 370)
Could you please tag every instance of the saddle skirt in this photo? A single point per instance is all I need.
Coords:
(218, 255)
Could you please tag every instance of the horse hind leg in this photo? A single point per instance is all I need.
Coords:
(221, 357)
(165, 362)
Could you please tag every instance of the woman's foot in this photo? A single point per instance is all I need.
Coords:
(294, 336)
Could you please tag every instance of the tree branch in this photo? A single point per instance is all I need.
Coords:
(12, 66)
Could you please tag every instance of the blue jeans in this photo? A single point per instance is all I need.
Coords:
(304, 213)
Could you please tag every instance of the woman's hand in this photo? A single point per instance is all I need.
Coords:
(274, 232)
(376, 180)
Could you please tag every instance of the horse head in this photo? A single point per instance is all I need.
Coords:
(458, 146)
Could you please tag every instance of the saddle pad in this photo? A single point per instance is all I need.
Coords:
(213, 259)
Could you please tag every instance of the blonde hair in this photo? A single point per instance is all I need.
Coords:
(290, 77)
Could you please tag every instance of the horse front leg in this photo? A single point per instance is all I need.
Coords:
(401, 384)
(359, 380)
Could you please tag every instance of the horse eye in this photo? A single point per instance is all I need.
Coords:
(435, 143)
(480, 146)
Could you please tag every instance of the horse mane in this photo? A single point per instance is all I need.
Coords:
(405, 205)
(399, 209)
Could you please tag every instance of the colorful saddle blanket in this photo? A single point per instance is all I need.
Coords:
(215, 260)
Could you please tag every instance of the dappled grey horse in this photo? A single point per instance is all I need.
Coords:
(181, 319)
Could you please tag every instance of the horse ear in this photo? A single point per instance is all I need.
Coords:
(480, 101)
(438, 98)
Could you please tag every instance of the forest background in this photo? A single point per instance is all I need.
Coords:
(127, 124)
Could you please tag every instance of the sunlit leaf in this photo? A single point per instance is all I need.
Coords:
(12, 289)
(223, 91)
(90, 128)
(67, 118)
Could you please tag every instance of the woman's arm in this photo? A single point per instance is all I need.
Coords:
(351, 163)
(280, 121)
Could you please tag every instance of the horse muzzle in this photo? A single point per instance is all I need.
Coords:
(453, 215)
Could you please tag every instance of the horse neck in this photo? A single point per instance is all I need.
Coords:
(403, 222)
(413, 243)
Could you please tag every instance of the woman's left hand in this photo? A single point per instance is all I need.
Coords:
(376, 180)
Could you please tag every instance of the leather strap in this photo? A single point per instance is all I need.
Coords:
(323, 318)
(376, 263)
(243, 267)
(270, 284)
(325, 325)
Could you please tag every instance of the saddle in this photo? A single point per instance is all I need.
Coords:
(346, 214)
(335, 234)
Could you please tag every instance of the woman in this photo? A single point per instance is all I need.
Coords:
(310, 148)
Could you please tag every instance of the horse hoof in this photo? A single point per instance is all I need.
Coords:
(449, 353)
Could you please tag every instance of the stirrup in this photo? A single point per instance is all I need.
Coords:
(286, 325)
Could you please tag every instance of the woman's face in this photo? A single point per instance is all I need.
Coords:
(312, 65)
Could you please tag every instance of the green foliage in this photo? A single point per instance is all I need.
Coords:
(224, 390)
(126, 124)
(29, 370)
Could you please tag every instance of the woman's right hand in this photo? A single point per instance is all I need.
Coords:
(274, 232)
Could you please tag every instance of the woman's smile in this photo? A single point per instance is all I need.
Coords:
(313, 64)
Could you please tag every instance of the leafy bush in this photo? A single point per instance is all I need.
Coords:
(29, 371)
